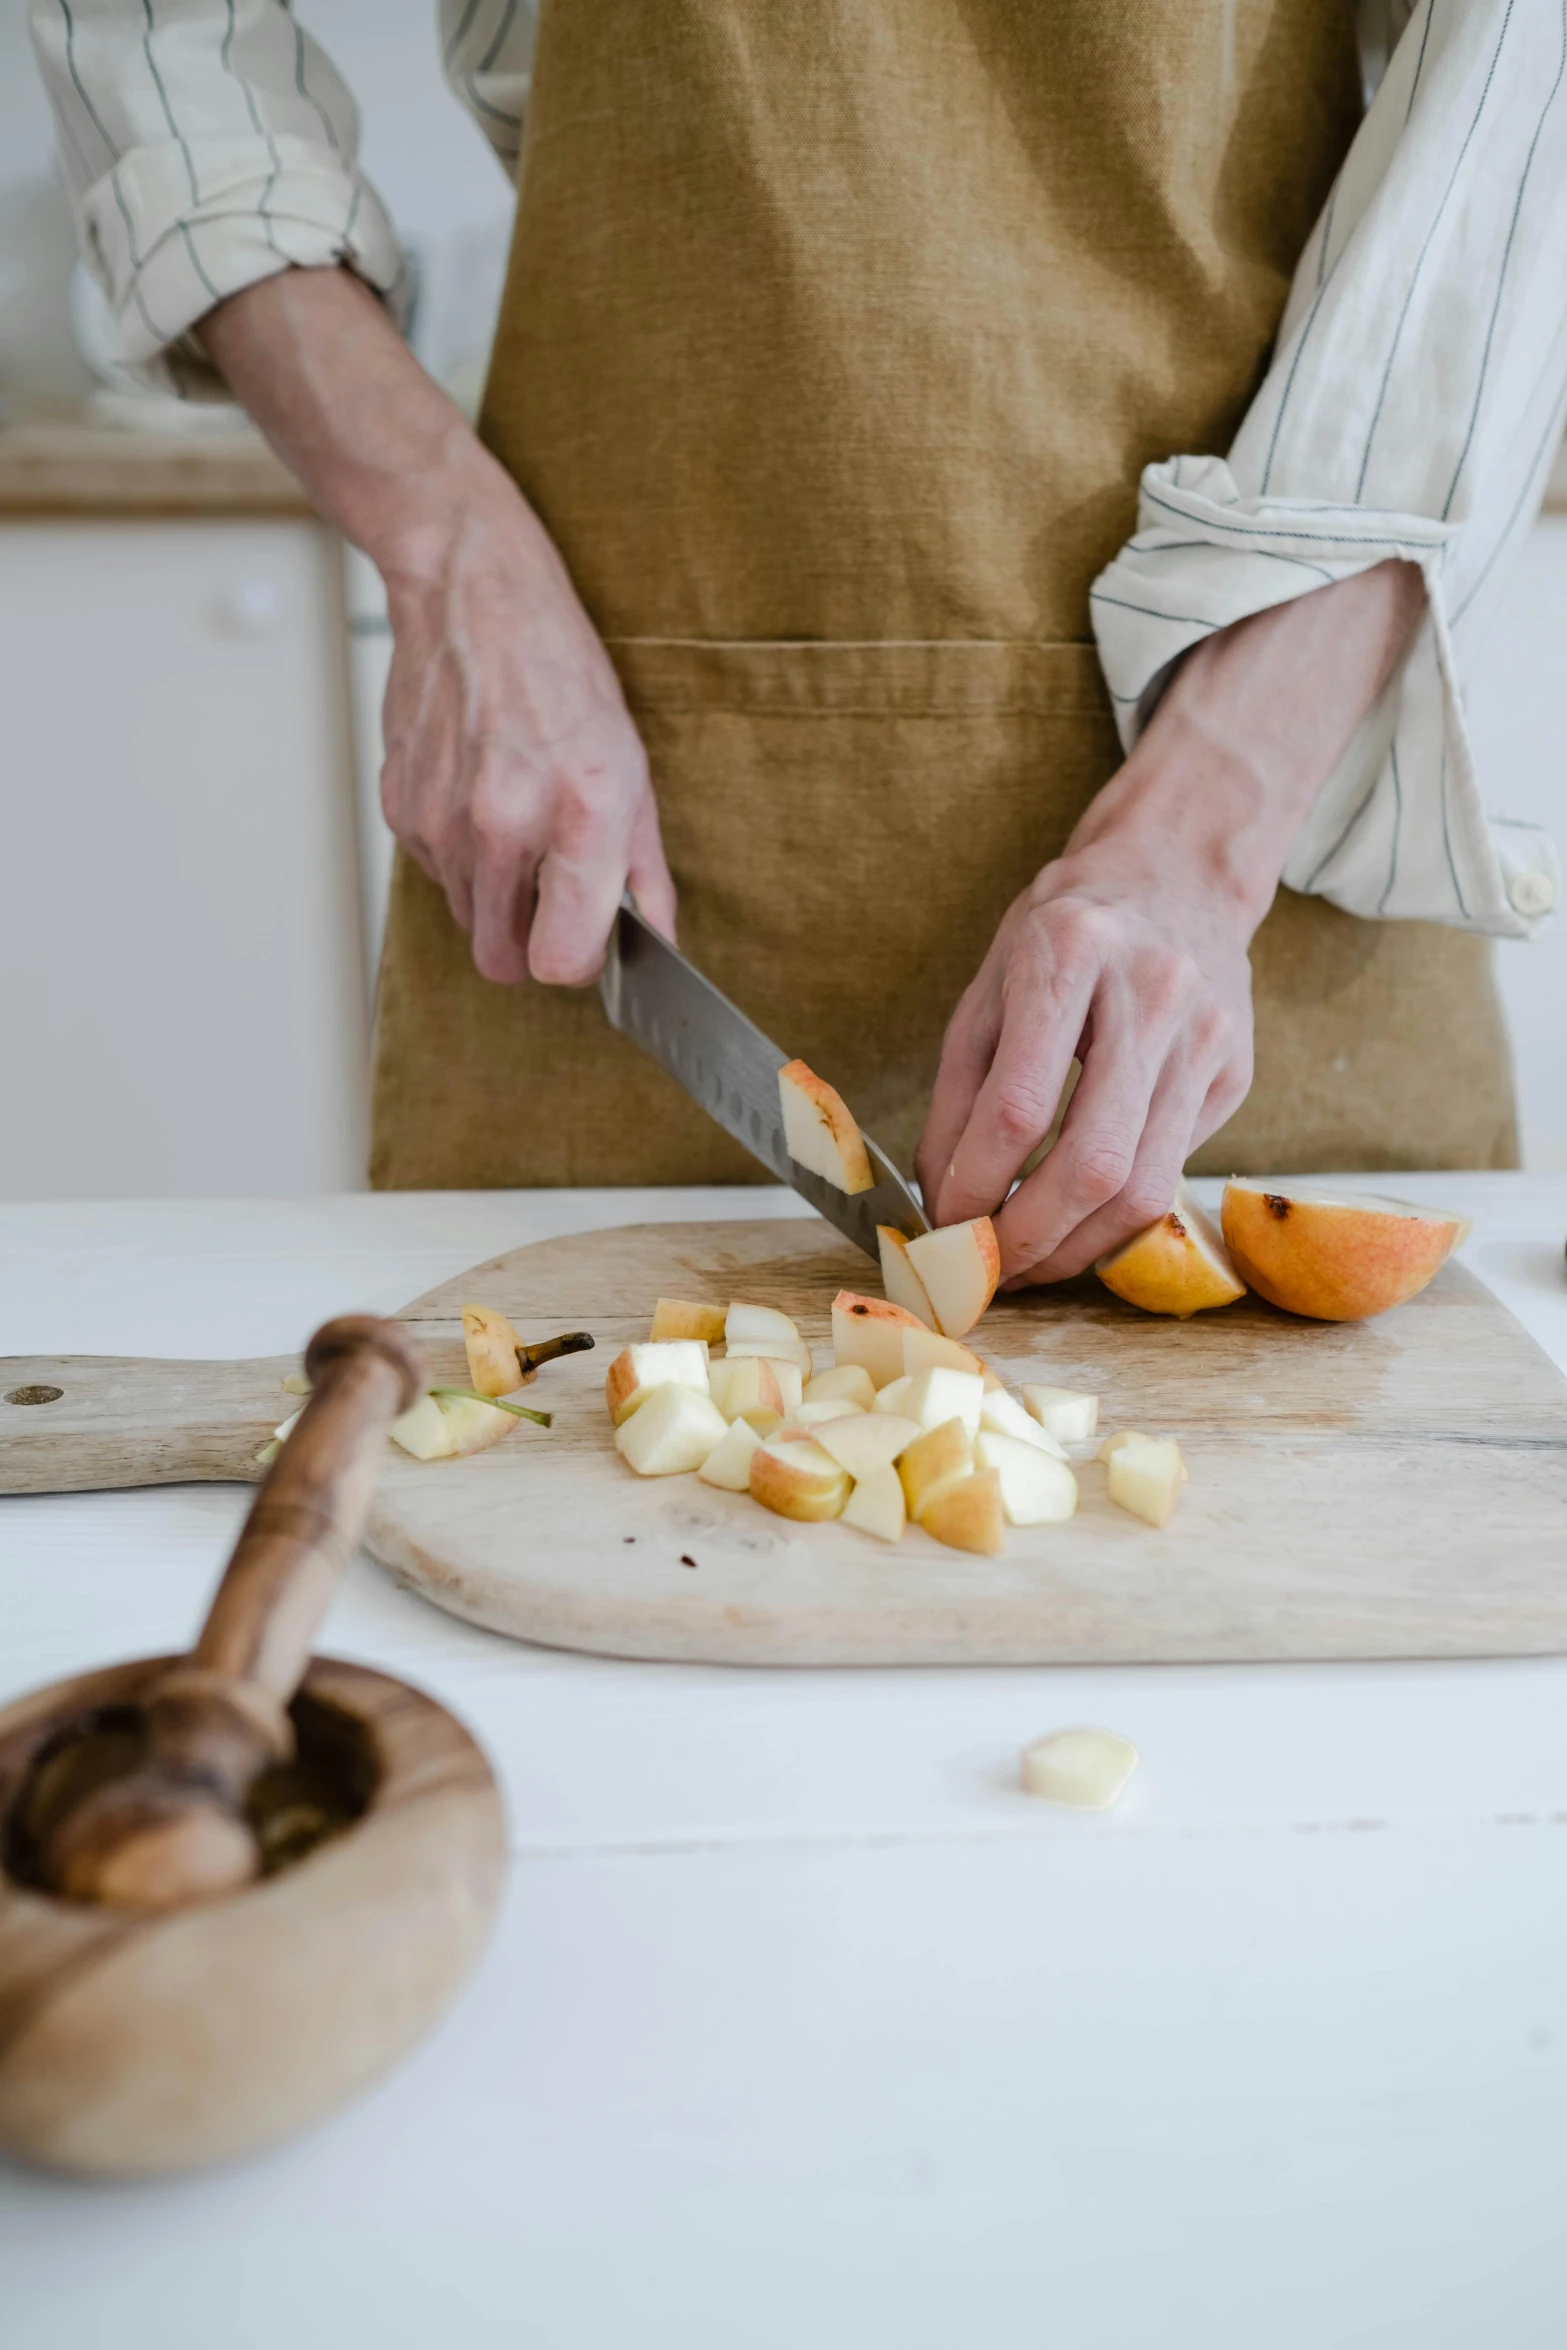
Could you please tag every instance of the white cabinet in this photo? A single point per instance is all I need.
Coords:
(183, 1002)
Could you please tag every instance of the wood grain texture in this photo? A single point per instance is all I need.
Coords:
(69, 467)
(120, 1421)
(137, 2045)
(1381, 1489)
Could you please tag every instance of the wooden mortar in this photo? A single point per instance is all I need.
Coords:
(237, 1886)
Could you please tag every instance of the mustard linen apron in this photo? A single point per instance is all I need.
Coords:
(834, 339)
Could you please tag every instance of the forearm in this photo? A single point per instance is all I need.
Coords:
(382, 451)
(1257, 718)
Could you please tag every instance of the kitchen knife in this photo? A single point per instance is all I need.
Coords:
(730, 1069)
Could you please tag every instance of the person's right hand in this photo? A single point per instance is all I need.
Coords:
(513, 771)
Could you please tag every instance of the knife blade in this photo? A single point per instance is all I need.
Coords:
(730, 1070)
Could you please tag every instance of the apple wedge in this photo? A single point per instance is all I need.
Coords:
(795, 1478)
(1086, 1768)
(876, 1506)
(1335, 1256)
(491, 1345)
(927, 1350)
(1003, 1415)
(934, 1396)
(1145, 1475)
(672, 1432)
(441, 1428)
(865, 1442)
(966, 1513)
(639, 1370)
(891, 1397)
(1178, 1265)
(935, 1457)
(1036, 1489)
(673, 1317)
(1065, 1413)
(748, 1325)
(728, 1465)
(898, 1277)
(850, 1380)
(819, 1133)
(869, 1331)
(959, 1267)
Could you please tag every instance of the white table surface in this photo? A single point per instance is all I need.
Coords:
(803, 2030)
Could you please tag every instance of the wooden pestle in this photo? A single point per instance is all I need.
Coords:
(172, 1829)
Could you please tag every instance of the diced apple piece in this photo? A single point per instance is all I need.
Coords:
(1088, 1768)
(1178, 1265)
(890, 1398)
(1005, 1416)
(876, 1506)
(898, 1277)
(444, 1428)
(866, 1442)
(672, 1432)
(935, 1456)
(927, 1350)
(959, 1267)
(827, 1407)
(637, 1371)
(850, 1380)
(795, 1478)
(673, 1317)
(773, 1350)
(934, 1396)
(1335, 1256)
(747, 1385)
(1036, 1489)
(728, 1465)
(1065, 1412)
(788, 1378)
(491, 1346)
(421, 1430)
(1113, 1444)
(746, 1323)
(966, 1514)
(869, 1331)
(819, 1132)
(1145, 1477)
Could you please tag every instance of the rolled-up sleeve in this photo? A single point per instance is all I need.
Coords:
(208, 144)
(1412, 409)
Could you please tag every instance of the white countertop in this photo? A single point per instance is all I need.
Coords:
(802, 2029)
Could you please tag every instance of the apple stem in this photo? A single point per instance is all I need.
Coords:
(544, 1350)
(519, 1411)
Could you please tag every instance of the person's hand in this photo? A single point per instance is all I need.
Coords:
(513, 771)
(1147, 984)
(1130, 951)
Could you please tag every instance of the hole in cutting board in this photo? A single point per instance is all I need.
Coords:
(34, 1394)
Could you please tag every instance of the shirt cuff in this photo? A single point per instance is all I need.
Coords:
(177, 227)
(1400, 829)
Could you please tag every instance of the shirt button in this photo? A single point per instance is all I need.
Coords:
(1531, 893)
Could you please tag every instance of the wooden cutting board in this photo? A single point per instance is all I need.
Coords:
(1395, 1488)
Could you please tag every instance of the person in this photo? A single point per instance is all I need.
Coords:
(970, 497)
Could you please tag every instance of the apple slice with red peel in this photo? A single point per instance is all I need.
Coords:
(1335, 1256)
(869, 1331)
(898, 1277)
(934, 1457)
(875, 1505)
(966, 1513)
(959, 1267)
(674, 1317)
(865, 1442)
(637, 1372)
(795, 1478)
(819, 1132)
(751, 1384)
(671, 1433)
(1178, 1265)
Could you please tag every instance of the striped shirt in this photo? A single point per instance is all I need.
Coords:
(1415, 399)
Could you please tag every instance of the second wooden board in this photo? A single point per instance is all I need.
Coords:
(1395, 1488)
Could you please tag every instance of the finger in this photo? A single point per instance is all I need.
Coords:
(648, 877)
(503, 888)
(1093, 1158)
(580, 888)
(1152, 1183)
(967, 1051)
(1047, 1006)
